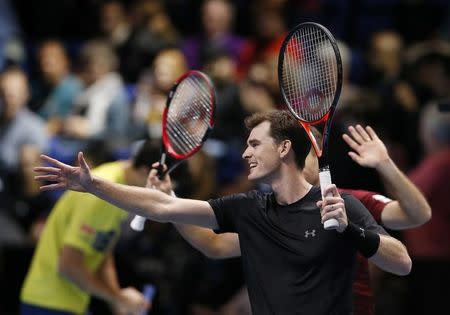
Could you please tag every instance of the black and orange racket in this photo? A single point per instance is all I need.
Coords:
(310, 77)
(186, 123)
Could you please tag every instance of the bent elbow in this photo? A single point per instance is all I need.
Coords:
(406, 266)
(216, 250)
(423, 214)
(427, 215)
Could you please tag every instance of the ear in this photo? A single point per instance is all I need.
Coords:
(284, 148)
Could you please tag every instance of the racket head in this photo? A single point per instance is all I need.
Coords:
(310, 77)
(189, 115)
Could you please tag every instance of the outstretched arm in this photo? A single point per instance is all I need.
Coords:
(410, 208)
(210, 244)
(146, 202)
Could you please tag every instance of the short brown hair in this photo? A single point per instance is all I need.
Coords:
(283, 126)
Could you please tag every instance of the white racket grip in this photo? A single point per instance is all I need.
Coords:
(325, 181)
(138, 223)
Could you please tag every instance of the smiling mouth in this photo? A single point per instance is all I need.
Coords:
(252, 165)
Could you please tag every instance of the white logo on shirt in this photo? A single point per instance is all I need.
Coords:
(310, 233)
(362, 232)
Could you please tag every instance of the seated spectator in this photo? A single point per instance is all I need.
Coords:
(217, 33)
(59, 86)
(152, 32)
(101, 110)
(22, 138)
(114, 23)
(152, 90)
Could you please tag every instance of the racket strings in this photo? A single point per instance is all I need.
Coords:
(189, 115)
(309, 73)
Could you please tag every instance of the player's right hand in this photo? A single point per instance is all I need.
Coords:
(77, 178)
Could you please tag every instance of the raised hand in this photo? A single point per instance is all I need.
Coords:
(369, 150)
(77, 178)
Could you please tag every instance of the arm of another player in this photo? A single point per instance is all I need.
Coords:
(72, 267)
(149, 203)
(384, 251)
(410, 208)
(210, 244)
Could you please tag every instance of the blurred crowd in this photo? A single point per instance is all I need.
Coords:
(94, 76)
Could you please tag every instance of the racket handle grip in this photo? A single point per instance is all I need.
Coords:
(138, 223)
(325, 181)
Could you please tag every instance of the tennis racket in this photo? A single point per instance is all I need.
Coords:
(187, 120)
(310, 76)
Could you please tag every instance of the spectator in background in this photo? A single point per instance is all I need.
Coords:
(101, 110)
(152, 32)
(428, 245)
(356, 103)
(385, 58)
(269, 34)
(229, 114)
(23, 138)
(11, 46)
(386, 79)
(217, 33)
(74, 257)
(114, 23)
(152, 90)
(425, 77)
(255, 95)
(59, 86)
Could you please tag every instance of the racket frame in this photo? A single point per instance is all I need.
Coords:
(324, 123)
(166, 147)
(326, 120)
(138, 222)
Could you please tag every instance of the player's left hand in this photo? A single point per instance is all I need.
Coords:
(333, 207)
(369, 150)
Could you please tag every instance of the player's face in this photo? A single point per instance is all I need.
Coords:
(311, 170)
(262, 153)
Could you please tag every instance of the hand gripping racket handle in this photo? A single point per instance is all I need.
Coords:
(325, 181)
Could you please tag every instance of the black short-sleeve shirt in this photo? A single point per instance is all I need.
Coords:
(292, 265)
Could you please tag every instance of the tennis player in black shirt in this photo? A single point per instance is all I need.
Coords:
(291, 264)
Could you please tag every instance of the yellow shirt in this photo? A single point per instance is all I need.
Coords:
(82, 221)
